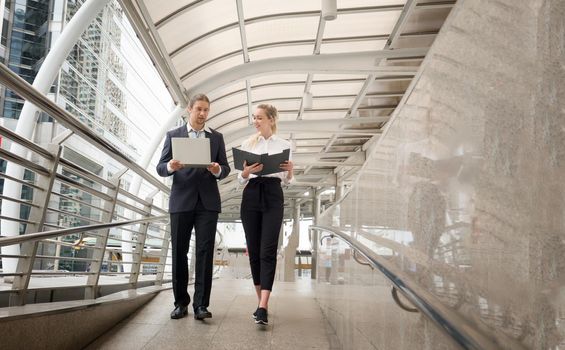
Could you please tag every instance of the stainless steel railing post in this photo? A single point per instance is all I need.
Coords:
(140, 244)
(38, 214)
(102, 239)
(163, 255)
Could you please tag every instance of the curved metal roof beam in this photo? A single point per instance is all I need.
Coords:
(378, 119)
(258, 19)
(179, 12)
(349, 63)
(279, 44)
(313, 126)
(315, 82)
(252, 102)
(234, 25)
(298, 98)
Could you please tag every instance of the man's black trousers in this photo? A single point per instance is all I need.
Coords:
(204, 223)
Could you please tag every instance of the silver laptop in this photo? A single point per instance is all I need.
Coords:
(192, 152)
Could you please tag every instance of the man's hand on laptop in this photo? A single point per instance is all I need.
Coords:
(174, 165)
(214, 168)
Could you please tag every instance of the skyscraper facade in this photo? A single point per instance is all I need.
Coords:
(100, 84)
(24, 44)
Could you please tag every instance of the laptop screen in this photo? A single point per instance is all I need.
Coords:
(192, 152)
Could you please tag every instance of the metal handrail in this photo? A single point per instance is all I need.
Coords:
(36, 168)
(153, 236)
(116, 239)
(12, 81)
(127, 229)
(66, 244)
(80, 186)
(20, 201)
(23, 221)
(78, 216)
(31, 237)
(132, 196)
(455, 326)
(131, 207)
(84, 174)
(23, 182)
(156, 208)
(76, 200)
(24, 142)
(394, 293)
(364, 263)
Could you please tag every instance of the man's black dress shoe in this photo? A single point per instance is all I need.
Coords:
(201, 313)
(179, 312)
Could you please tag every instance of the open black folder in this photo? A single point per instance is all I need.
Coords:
(271, 162)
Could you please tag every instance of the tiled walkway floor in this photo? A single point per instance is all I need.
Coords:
(295, 322)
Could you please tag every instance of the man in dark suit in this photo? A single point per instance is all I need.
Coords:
(194, 202)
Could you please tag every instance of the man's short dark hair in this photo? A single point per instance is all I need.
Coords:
(198, 97)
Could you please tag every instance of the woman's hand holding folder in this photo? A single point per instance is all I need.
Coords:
(251, 169)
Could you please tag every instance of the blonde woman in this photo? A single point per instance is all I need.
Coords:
(262, 206)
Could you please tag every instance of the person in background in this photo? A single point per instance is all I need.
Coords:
(194, 202)
(325, 255)
(262, 206)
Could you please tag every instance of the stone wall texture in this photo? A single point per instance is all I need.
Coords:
(469, 175)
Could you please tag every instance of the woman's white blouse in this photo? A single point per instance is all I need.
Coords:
(272, 145)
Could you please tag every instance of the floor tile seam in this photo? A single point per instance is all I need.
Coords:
(153, 336)
(221, 322)
(328, 325)
(148, 323)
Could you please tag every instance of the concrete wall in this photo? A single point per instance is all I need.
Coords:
(55, 326)
(469, 175)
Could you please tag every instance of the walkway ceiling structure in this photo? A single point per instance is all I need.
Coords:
(335, 83)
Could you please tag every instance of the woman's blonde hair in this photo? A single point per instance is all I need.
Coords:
(272, 114)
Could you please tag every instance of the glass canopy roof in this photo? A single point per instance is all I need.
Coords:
(357, 69)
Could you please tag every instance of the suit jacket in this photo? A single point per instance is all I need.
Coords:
(191, 183)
